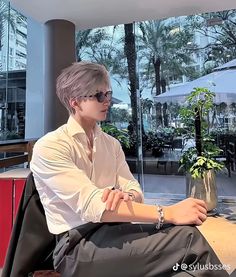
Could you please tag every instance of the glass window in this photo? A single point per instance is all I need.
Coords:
(147, 59)
(12, 72)
(11, 51)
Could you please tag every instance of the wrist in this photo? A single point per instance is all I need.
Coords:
(131, 195)
(168, 214)
(137, 196)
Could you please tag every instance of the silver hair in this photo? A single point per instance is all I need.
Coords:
(80, 79)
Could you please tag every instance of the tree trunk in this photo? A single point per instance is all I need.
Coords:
(165, 115)
(130, 53)
(157, 68)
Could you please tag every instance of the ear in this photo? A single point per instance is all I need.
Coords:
(74, 104)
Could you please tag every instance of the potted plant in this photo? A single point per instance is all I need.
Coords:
(153, 144)
(199, 160)
(120, 135)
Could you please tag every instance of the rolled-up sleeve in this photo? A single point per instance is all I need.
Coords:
(53, 167)
(125, 179)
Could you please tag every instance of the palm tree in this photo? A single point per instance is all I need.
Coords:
(220, 28)
(89, 41)
(130, 54)
(162, 47)
(119, 115)
(82, 43)
(99, 45)
(147, 105)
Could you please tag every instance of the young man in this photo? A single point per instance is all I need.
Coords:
(86, 188)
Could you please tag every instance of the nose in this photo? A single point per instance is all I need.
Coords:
(107, 102)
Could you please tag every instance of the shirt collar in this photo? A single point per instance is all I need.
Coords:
(74, 128)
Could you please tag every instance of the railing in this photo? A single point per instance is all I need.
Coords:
(22, 146)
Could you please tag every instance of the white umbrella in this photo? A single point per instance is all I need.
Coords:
(230, 64)
(222, 82)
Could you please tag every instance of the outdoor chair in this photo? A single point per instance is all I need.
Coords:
(224, 158)
(228, 157)
(168, 144)
(31, 245)
(231, 151)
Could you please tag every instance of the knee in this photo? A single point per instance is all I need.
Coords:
(190, 232)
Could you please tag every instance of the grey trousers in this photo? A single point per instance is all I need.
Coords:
(135, 250)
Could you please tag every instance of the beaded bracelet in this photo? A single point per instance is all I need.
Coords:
(161, 217)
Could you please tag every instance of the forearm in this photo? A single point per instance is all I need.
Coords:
(131, 212)
(189, 211)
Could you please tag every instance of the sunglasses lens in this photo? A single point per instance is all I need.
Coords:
(108, 95)
(100, 97)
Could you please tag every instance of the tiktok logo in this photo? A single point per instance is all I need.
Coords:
(176, 267)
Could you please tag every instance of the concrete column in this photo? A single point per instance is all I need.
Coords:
(59, 53)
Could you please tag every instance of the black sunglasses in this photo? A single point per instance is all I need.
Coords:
(101, 96)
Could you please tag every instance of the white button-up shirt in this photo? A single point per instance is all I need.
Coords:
(69, 184)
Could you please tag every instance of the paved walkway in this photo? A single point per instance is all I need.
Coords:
(169, 189)
(175, 184)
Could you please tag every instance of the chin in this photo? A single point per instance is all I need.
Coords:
(102, 117)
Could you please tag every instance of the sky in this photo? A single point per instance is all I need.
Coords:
(122, 92)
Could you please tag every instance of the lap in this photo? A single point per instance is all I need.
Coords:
(125, 240)
(117, 248)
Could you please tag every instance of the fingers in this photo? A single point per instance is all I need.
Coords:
(116, 198)
(199, 219)
(202, 210)
(200, 202)
(112, 197)
(202, 217)
(126, 197)
(105, 194)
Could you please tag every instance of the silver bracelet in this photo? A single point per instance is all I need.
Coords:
(161, 217)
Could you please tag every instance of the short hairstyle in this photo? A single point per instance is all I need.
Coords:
(78, 80)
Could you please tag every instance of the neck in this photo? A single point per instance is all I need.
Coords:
(87, 124)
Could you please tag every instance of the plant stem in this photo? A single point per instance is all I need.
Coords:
(198, 134)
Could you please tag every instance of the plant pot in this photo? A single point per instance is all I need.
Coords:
(203, 188)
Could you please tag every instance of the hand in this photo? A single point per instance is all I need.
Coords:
(112, 198)
(186, 212)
